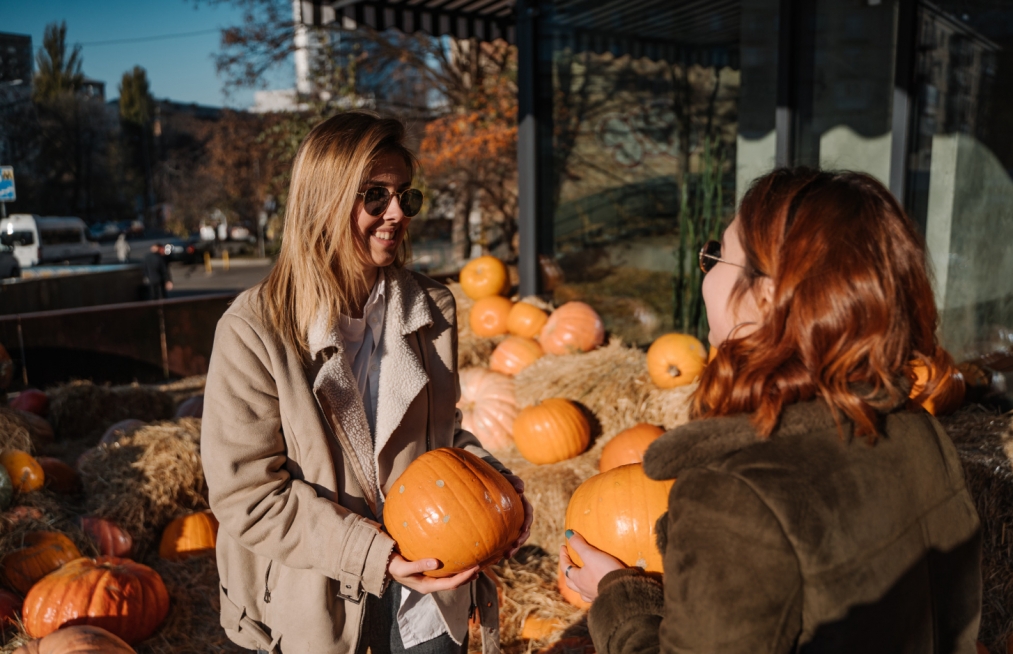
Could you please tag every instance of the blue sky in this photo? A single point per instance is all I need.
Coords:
(179, 68)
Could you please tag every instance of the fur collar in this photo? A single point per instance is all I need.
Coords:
(402, 375)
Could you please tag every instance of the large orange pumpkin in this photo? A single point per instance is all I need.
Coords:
(189, 535)
(628, 446)
(60, 477)
(488, 407)
(514, 354)
(573, 327)
(552, 431)
(488, 316)
(108, 536)
(43, 552)
(25, 472)
(483, 277)
(84, 639)
(571, 596)
(526, 320)
(950, 387)
(615, 511)
(126, 598)
(675, 360)
(454, 507)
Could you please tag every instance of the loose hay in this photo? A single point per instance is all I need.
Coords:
(14, 433)
(83, 411)
(984, 441)
(147, 479)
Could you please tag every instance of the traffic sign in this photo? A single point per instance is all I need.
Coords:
(7, 184)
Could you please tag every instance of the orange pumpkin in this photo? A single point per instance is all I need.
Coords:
(616, 511)
(573, 327)
(514, 354)
(950, 387)
(10, 606)
(488, 316)
(60, 477)
(25, 472)
(675, 360)
(43, 552)
(108, 536)
(128, 599)
(189, 535)
(628, 446)
(84, 639)
(526, 320)
(452, 506)
(552, 431)
(484, 277)
(536, 627)
(488, 407)
(571, 596)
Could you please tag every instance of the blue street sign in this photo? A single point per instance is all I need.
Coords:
(7, 184)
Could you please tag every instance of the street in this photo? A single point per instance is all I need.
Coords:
(190, 280)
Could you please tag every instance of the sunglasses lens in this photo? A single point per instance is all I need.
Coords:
(411, 202)
(375, 200)
(710, 253)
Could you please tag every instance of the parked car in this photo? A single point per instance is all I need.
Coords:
(9, 266)
(37, 240)
(194, 249)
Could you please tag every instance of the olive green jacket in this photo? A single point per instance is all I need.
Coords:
(291, 466)
(804, 542)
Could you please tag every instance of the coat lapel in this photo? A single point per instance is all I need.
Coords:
(402, 375)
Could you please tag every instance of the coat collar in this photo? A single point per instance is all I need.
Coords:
(402, 375)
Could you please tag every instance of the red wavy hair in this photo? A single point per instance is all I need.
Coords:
(852, 302)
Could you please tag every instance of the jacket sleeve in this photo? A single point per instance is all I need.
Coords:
(251, 493)
(731, 583)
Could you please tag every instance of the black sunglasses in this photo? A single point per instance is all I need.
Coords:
(710, 255)
(375, 200)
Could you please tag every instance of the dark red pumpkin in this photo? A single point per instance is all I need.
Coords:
(108, 536)
(60, 477)
(32, 401)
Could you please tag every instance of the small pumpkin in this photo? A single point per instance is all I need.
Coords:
(32, 400)
(616, 511)
(83, 639)
(526, 320)
(128, 599)
(488, 316)
(536, 627)
(484, 277)
(571, 596)
(6, 489)
(950, 387)
(189, 535)
(573, 327)
(60, 477)
(488, 407)
(6, 368)
(120, 430)
(25, 472)
(628, 446)
(514, 354)
(10, 606)
(191, 407)
(452, 506)
(43, 552)
(552, 431)
(108, 536)
(675, 360)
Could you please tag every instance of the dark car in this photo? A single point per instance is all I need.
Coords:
(194, 249)
(8, 263)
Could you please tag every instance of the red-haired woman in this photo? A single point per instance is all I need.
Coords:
(813, 512)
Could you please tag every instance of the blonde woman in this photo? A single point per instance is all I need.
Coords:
(325, 382)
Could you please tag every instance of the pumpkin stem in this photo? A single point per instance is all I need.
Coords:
(674, 371)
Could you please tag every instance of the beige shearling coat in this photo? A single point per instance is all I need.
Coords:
(291, 467)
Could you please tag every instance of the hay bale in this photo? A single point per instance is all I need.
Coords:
(81, 410)
(984, 440)
(14, 431)
(147, 478)
(182, 389)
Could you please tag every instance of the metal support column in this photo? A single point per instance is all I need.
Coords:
(903, 89)
(527, 147)
(784, 118)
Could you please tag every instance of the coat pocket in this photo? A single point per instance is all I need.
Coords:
(234, 619)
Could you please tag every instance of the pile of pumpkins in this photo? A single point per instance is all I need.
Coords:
(62, 596)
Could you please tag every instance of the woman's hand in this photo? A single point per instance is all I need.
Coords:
(529, 515)
(409, 574)
(597, 564)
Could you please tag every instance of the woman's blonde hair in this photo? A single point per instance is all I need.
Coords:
(320, 267)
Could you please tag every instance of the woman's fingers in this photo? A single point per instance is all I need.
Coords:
(516, 482)
(400, 567)
(597, 564)
(426, 585)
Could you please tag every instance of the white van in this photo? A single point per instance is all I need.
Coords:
(38, 241)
